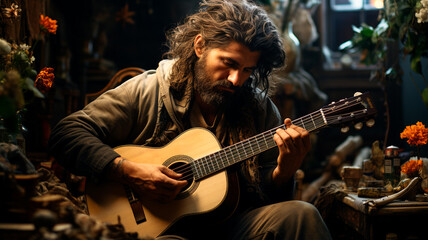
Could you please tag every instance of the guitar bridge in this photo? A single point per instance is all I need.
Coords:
(136, 206)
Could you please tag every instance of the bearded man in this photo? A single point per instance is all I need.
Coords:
(216, 78)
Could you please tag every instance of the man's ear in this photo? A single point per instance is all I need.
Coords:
(199, 45)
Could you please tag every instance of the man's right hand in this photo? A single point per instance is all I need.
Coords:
(154, 181)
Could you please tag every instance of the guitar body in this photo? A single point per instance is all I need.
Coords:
(198, 154)
(107, 201)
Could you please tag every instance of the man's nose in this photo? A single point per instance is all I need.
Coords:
(235, 77)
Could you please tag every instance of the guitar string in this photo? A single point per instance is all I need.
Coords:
(247, 145)
(235, 154)
(223, 152)
(188, 173)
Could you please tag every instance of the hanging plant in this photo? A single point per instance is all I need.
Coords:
(405, 21)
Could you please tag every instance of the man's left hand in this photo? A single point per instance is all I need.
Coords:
(293, 143)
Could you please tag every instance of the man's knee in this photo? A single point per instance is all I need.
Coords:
(298, 207)
(299, 211)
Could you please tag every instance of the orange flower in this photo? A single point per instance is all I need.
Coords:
(416, 134)
(47, 24)
(45, 79)
(411, 167)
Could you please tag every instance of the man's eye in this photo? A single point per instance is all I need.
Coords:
(228, 63)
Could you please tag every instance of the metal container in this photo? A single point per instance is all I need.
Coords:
(392, 165)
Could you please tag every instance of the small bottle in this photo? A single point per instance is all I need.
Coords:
(392, 166)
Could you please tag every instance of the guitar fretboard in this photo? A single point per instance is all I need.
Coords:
(250, 147)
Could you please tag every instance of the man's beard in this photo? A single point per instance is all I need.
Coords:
(208, 88)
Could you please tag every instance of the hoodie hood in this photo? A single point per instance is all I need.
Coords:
(177, 108)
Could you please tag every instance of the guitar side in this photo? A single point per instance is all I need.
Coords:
(107, 201)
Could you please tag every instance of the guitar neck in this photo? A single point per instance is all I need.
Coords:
(248, 148)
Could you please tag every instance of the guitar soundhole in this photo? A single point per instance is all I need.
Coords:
(180, 164)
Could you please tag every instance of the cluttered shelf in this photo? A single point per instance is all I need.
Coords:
(394, 216)
(382, 194)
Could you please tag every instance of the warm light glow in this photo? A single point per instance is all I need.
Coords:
(377, 3)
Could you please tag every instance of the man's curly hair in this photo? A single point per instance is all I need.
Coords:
(220, 22)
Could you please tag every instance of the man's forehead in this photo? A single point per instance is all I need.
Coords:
(239, 52)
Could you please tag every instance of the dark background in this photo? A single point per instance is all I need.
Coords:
(92, 44)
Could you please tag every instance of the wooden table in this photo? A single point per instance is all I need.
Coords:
(356, 220)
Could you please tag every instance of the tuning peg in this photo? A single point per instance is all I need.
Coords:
(370, 122)
(357, 94)
(344, 129)
(358, 126)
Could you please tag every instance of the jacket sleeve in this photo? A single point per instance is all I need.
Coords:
(83, 141)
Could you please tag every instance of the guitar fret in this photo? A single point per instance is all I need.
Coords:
(198, 170)
(195, 170)
(303, 124)
(264, 139)
(245, 152)
(226, 159)
(214, 160)
(212, 166)
(258, 145)
(222, 159)
(323, 116)
(252, 151)
(237, 152)
(272, 141)
(208, 165)
(312, 121)
(203, 165)
(217, 167)
(231, 156)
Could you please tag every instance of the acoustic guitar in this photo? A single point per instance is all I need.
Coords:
(197, 154)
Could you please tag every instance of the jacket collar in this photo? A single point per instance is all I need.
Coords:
(177, 108)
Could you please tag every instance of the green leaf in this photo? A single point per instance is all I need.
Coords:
(356, 29)
(30, 72)
(402, 32)
(391, 73)
(346, 45)
(381, 27)
(415, 64)
(367, 32)
(425, 96)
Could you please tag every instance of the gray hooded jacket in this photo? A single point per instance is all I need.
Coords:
(143, 111)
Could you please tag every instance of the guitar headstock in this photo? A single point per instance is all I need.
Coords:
(355, 109)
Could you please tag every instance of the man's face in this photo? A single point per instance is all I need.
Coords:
(219, 72)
